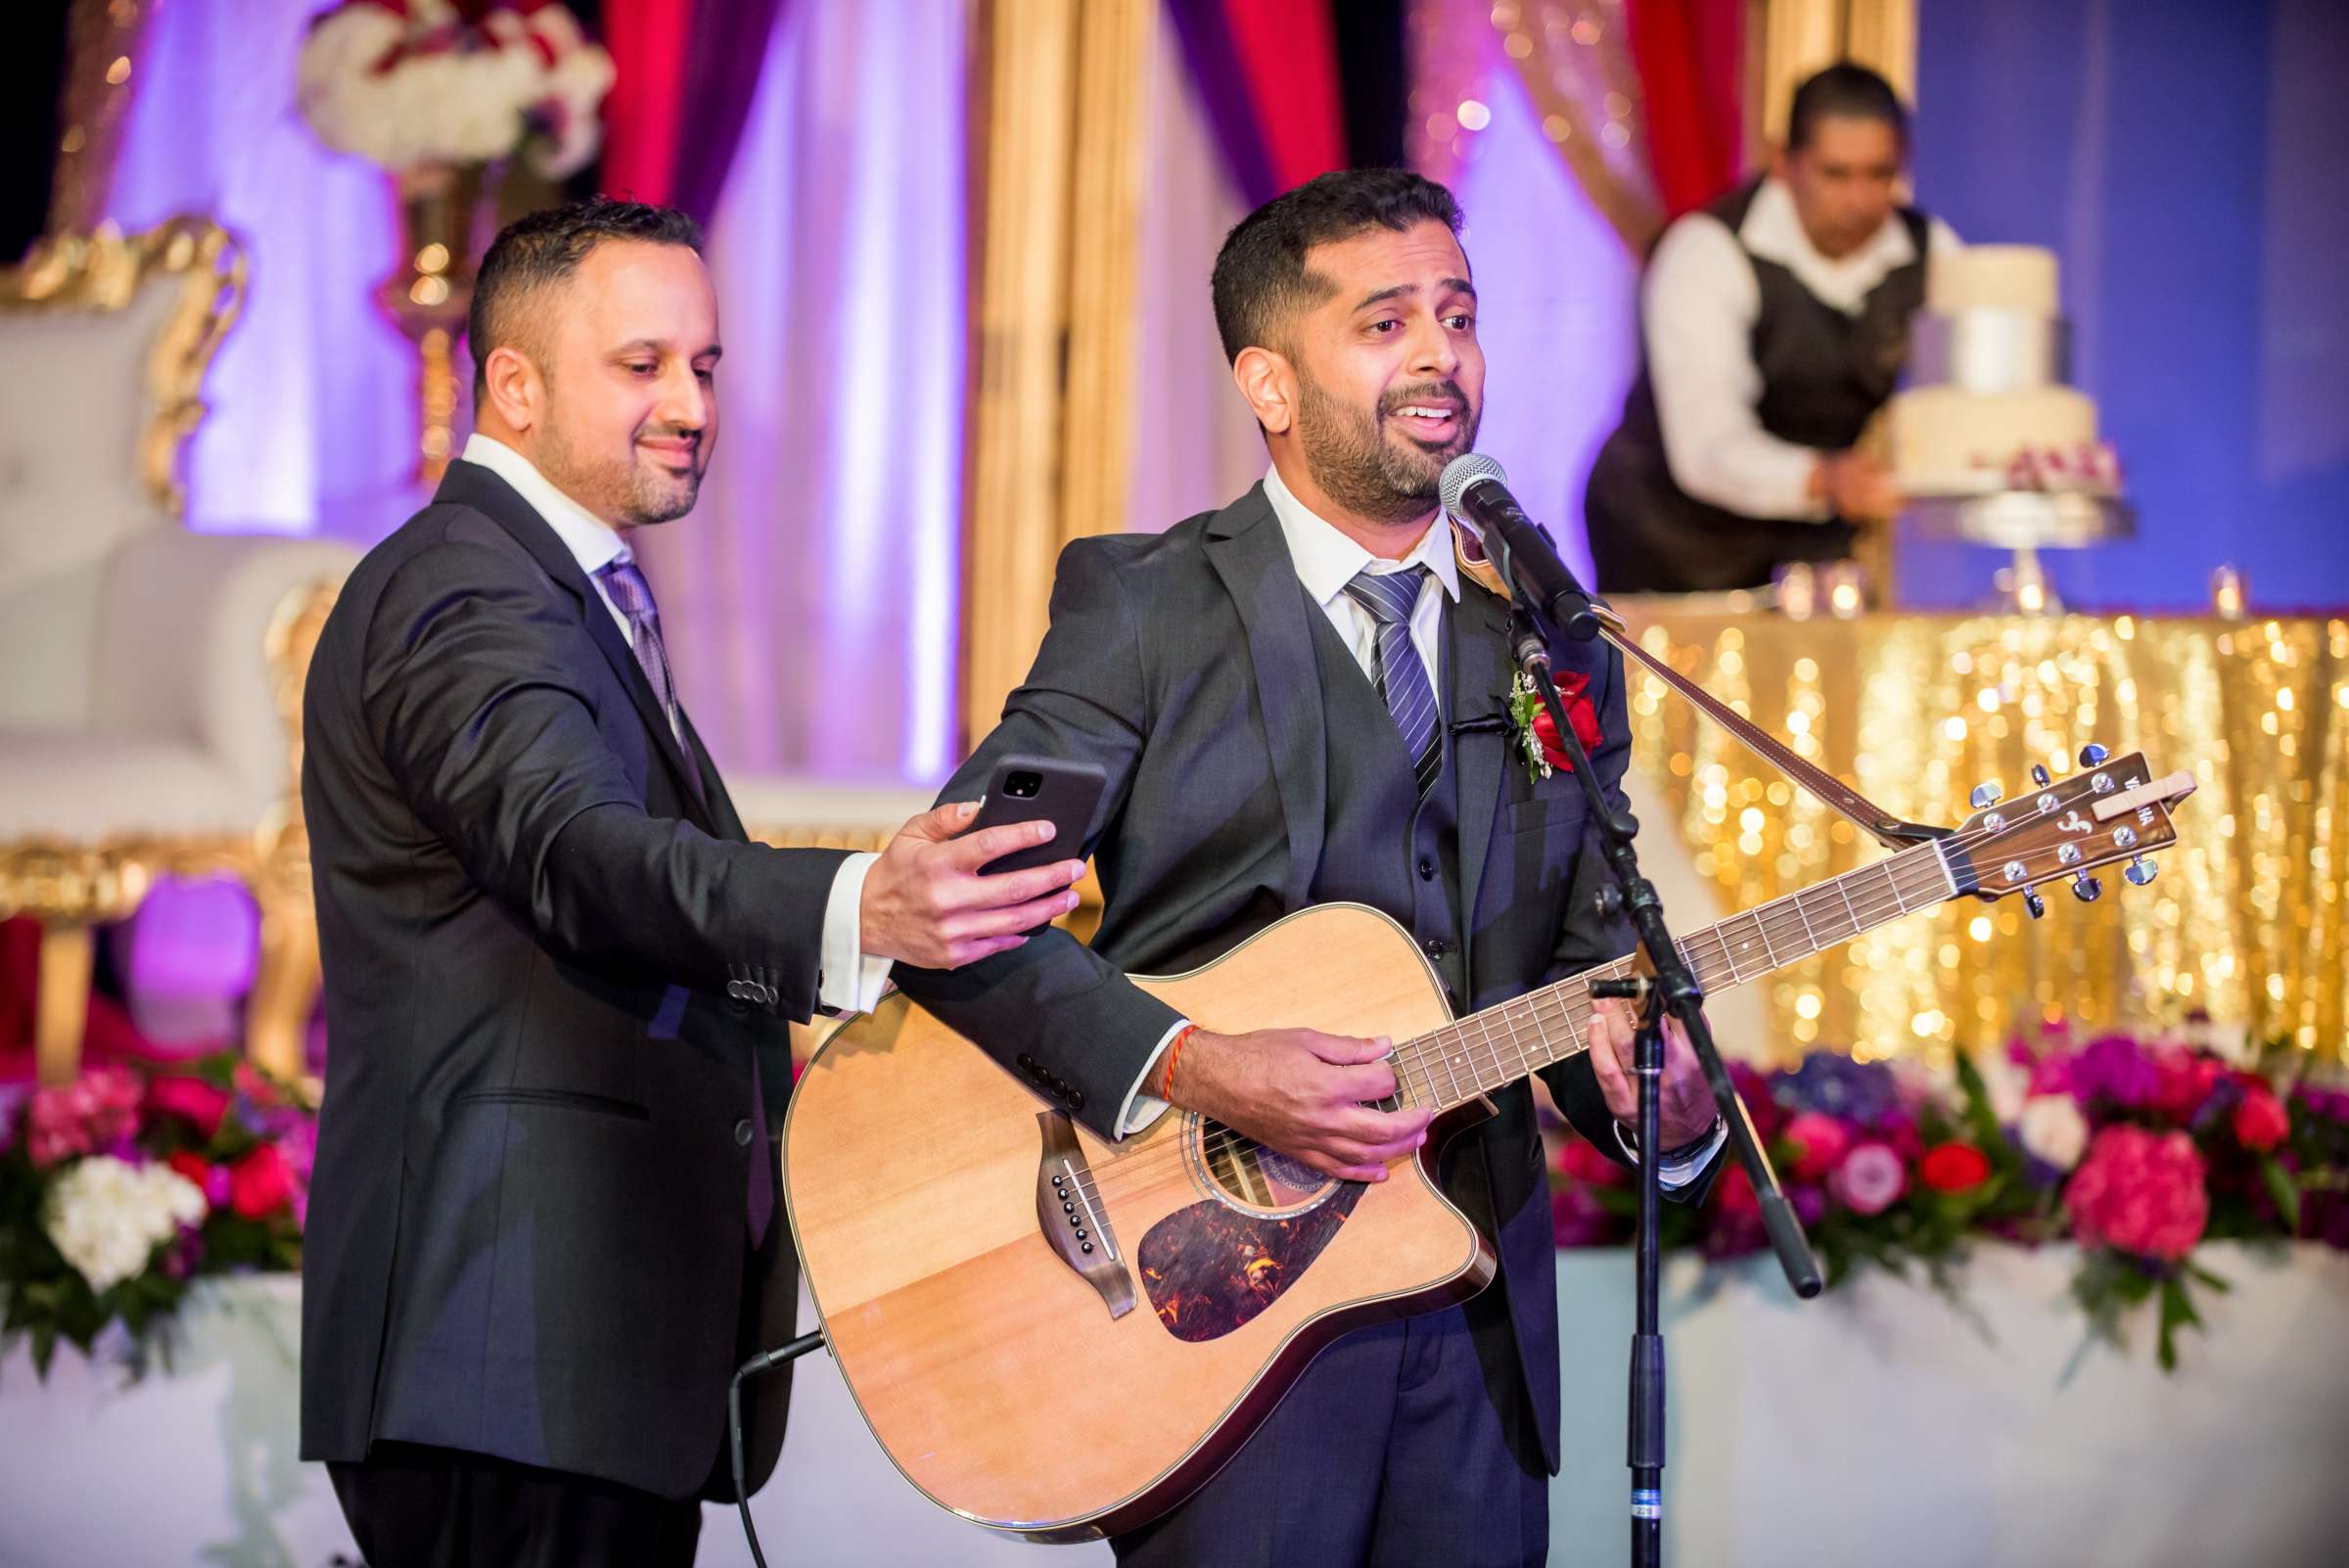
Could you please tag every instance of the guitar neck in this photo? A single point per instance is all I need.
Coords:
(1487, 1051)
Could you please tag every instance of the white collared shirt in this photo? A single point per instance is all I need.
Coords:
(847, 979)
(1698, 305)
(1326, 560)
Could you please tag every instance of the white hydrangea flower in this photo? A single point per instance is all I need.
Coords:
(2051, 1129)
(106, 1215)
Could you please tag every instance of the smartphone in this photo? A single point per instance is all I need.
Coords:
(1025, 789)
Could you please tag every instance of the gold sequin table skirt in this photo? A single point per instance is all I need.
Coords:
(2245, 922)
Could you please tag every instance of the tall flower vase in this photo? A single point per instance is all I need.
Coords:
(442, 210)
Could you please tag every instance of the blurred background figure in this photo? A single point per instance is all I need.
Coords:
(1775, 323)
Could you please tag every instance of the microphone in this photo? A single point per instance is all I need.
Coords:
(1475, 490)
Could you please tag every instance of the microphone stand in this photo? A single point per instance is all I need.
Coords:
(1673, 990)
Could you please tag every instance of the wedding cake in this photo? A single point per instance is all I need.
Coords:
(1987, 409)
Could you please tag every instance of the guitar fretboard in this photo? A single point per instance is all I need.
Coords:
(1502, 1044)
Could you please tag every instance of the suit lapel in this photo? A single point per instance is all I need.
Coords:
(1478, 660)
(725, 821)
(471, 485)
(1245, 547)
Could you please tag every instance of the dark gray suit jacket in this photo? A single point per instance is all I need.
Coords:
(549, 961)
(1183, 663)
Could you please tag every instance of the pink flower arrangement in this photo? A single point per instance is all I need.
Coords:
(120, 1189)
(2139, 1151)
(94, 1112)
(2140, 1192)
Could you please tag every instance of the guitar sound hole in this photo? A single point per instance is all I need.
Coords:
(1245, 1173)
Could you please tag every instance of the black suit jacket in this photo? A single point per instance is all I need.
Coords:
(1183, 663)
(549, 961)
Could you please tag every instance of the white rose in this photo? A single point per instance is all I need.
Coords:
(2007, 1083)
(106, 1215)
(2051, 1129)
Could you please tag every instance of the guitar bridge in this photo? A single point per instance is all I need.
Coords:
(1072, 1218)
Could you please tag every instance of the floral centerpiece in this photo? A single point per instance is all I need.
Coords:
(2137, 1150)
(442, 93)
(411, 83)
(121, 1188)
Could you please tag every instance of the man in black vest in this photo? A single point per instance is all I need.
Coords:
(1774, 324)
(1299, 700)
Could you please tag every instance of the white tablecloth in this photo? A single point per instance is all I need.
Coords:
(1875, 1425)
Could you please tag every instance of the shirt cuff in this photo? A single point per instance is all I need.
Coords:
(1140, 1109)
(1675, 1173)
(847, 979)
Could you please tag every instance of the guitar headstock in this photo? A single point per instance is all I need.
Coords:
(2110, 811)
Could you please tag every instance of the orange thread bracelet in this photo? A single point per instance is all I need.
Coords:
(1166, 1083)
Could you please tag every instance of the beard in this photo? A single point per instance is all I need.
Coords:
(1362, 467)
(629, 491)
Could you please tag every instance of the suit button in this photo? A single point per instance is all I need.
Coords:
(1427, 869)
(735, 991)
(1027, 1063)
(743, 1134)
(1075, 1099)
(1436, 947)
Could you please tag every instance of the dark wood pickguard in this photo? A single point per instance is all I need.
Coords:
(1208, 1270)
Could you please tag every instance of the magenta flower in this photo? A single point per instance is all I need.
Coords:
(1871, 1179)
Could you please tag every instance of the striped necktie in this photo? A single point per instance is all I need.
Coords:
(1395, 668)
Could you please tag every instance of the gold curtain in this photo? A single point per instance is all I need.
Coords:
(2247, 920)
(101, 50)
(1058, 109)
(1575, 59)
(1787, 40)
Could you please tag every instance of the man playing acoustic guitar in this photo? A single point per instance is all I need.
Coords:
(1301, 698)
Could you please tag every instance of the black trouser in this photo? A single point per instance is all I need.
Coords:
(1390, 1453)
(414, 1506)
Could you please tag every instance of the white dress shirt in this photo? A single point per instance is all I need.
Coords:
(1698, 305)
(847, 979)
(1326, 560)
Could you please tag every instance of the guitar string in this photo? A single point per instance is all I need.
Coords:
(1571, 1003)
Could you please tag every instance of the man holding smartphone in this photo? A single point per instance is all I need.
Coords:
(543, 1227)
(1298, 700)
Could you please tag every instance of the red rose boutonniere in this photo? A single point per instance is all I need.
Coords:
(1537, 736)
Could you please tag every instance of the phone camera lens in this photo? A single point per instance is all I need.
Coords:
(1024, 786)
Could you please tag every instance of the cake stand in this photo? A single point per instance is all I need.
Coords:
(2025, 521)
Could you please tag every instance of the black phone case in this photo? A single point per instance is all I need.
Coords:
(1067, 795)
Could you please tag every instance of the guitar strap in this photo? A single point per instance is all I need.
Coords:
(1889, 830)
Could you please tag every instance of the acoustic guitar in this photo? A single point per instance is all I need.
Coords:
(1061, 1338)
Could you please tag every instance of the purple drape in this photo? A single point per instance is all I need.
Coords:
(723, 55)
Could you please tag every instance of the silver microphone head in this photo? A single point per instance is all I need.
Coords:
(1459, 474)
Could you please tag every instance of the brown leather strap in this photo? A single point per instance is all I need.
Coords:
(1870, 818)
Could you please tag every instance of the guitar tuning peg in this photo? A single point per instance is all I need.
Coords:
(2087, 889)
(1986, 795)
(2140, 871)
(2093, 756)
(2034, 902)
(2038, 774)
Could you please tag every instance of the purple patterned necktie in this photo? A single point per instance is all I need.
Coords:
(1396, 672)
(633, 597)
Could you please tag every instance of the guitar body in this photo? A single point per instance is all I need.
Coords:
(1035, 1387)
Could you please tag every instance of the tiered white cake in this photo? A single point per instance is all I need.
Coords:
(1987, 409)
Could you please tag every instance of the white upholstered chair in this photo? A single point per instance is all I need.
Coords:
(153, 675)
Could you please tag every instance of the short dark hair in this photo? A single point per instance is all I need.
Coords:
(1844, 91)
(1261, 277)
(547, 246)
